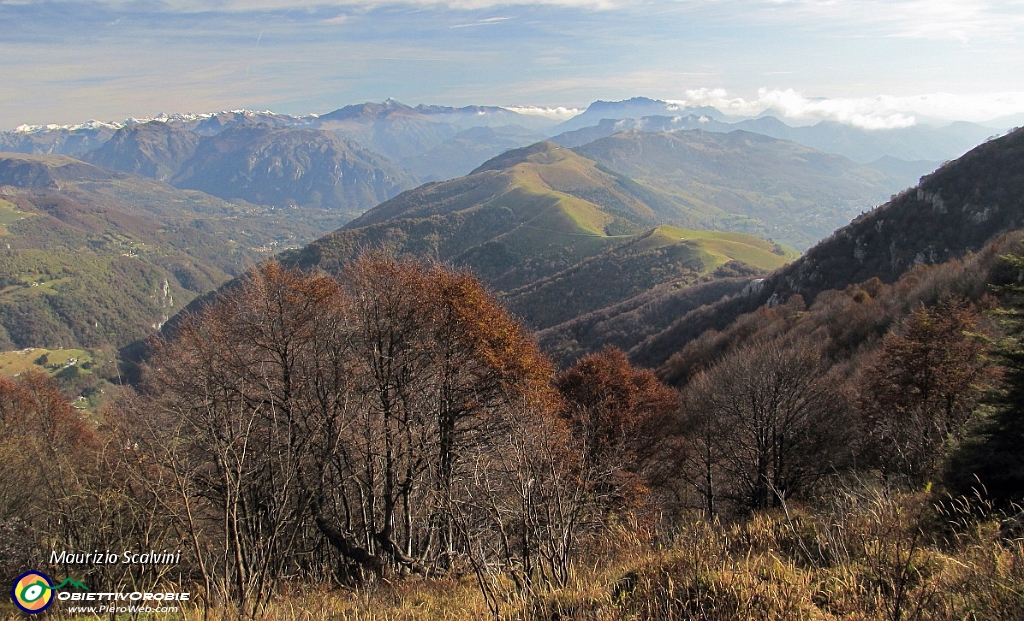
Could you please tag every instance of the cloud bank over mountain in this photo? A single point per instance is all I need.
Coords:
(880, 112)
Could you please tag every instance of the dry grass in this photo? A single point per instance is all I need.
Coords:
(405, 600)
(869, 558)
(875, 559)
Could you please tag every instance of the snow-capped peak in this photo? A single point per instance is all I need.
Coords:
(163, 117)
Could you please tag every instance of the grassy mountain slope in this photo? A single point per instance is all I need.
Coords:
(541, 207)
(748, 182)
(555, 233)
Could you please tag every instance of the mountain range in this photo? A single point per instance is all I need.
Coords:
(923, 148)
(427, 140)
(643, 209)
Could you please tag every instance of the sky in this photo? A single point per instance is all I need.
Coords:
(873, 63)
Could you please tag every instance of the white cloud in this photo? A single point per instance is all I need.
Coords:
(559, 113)
(978, 107)
(490, 21)
(880, 112)
(869, 113)
(958, 20)
(334, 21)
(720, 99)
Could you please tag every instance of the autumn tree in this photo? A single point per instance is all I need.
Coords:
(435, 357)
(618, 414)
(919, 396)
(250, 396)
(60, 492)
(46, 453)
(303, 411)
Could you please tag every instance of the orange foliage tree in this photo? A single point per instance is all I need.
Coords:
(918, 398)
(618, 413)
(48, 457)
(300, 409)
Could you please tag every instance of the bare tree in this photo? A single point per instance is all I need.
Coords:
(255, 389)
(528, 503)
(308, 417)
(767, 422)
(436, 359)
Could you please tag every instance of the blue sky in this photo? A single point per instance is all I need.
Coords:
(871, 62)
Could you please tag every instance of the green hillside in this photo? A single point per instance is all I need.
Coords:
(84, 375)
(748, 182)
(665, 254)
(554, 232)
(526, 214)
(722, 246)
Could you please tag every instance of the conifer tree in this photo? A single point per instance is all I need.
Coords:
(993, 455)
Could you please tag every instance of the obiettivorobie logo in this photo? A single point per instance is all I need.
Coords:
(33, 591)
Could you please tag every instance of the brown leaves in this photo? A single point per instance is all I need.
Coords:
(612, 403)
(919, 396)
(32, 408)
(619, 415)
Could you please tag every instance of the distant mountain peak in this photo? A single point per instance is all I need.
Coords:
(601, 103)
(637, 108)
(545, 150)
(162, 117)
(91, 124)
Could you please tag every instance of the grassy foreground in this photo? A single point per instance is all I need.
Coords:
(866, 557)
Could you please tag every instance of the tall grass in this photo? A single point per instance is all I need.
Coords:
(868, 556)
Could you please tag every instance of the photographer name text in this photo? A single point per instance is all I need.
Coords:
(107, 557)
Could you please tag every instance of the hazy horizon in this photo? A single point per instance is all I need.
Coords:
(870, 63)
